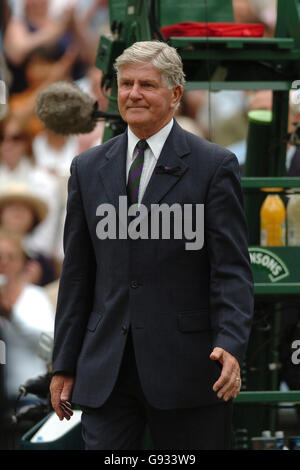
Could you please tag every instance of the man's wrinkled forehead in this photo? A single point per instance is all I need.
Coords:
(146, 70)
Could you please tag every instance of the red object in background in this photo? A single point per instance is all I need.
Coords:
(214, 29)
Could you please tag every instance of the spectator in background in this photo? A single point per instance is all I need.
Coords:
(293, 152)
(90, 20)
(21, 210)
(17, 164)
(30, 28)
(192, 101)
(257, 11)
(54, 153)
(42, 68)
(25, 313)
(187, 112)
(223, 116)
(41, 23)
(266, 11)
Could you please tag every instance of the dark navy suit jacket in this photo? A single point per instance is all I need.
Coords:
(178, 303)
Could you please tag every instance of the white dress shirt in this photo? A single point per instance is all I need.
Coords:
(155, 145)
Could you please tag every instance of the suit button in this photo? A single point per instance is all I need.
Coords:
(124, 329)
(134, 284)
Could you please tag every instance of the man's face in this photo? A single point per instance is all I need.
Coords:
(145, 102)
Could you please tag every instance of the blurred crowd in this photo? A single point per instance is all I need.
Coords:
(41, 42)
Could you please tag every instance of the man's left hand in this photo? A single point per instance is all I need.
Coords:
(229, 383)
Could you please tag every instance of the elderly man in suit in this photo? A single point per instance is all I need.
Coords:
(148, 332)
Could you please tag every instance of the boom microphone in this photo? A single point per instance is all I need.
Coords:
(65, 109)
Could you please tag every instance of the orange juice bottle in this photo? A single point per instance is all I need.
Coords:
(272, 221)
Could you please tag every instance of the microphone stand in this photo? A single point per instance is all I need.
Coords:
(116, 122)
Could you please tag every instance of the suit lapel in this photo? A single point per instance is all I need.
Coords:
(113, 171)
(169, 169)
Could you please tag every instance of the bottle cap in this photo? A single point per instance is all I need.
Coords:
(260, 116)
(272, 190)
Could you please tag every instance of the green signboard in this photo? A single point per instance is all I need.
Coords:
(276, 270)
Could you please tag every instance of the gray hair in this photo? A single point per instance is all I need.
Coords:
(164, 57)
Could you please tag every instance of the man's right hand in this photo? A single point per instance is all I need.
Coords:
(60, 388)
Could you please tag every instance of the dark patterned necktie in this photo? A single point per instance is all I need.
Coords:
(135, 172)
